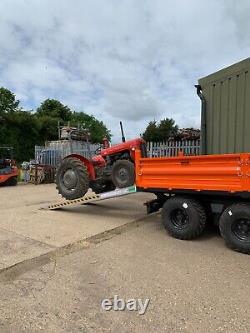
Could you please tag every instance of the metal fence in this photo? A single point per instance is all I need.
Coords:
(172, 148)
(53, 152)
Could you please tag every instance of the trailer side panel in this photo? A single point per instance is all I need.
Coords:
(220, 173)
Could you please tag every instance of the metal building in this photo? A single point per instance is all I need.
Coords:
(225, 120)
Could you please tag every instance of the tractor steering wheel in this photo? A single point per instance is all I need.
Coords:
(98, 150)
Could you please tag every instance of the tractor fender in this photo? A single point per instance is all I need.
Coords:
(87, 163)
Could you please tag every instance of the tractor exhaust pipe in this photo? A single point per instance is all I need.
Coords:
(123, 136)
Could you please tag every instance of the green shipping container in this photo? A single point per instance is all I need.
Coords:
(226, 110)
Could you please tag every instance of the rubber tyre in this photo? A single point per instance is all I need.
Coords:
(81, 177)
(193, 222)
(12, 181)
(123, 173)
(227, 223)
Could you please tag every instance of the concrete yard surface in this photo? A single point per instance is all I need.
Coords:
(192, 286)
(28, 231)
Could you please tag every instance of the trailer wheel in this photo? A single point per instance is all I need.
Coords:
(235, 227)
(72, 179)
(183, 218)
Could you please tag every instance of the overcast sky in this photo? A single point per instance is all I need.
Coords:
(129, 60)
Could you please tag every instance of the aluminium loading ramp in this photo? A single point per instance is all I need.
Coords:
(93, 198)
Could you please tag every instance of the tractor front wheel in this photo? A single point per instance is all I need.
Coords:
(123, 173)
(72, 179)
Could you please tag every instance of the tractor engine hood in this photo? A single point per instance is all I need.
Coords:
(120, 147)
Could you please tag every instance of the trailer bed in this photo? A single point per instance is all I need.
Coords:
(217, 173)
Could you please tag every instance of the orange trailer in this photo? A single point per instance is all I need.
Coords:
(228, 173)
(192, 189)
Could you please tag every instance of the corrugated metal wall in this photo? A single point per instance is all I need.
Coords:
(227, 95)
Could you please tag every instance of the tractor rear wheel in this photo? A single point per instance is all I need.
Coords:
(72, 179)
(123, 173)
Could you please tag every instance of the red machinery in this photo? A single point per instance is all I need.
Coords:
(8, 169)
(111, 167)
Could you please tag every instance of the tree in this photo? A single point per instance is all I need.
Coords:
(20, 130)
(8, 101)
(23, 129)
(96, 127)
(48, 128)
(54, 109)
(160, 132)
(167, 128)
(151, 132)
(51, 111)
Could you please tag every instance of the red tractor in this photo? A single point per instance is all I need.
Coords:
(111, 167)
(8, 168)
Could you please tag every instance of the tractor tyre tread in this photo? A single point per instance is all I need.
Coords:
(129, 166)
(82, 176)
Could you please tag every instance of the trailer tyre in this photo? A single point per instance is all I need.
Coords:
(183, 218)
(235, 227)
(72, 179)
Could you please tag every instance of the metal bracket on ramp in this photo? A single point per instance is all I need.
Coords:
(93, 197)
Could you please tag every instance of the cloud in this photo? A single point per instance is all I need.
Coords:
(120, 60)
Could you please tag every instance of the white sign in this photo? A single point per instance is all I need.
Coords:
(119, 304)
